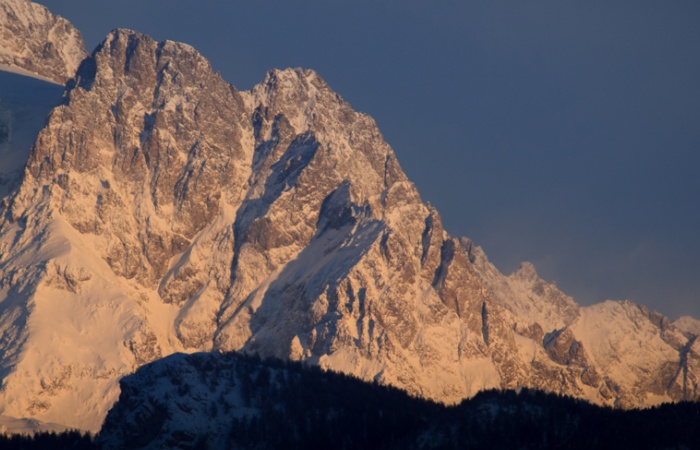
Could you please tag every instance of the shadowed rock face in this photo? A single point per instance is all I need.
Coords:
(167, 211)
(33, 39)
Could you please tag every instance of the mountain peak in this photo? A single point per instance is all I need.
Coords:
(132, 36)
(121, 37)
(526, 271)
(291, 76)
(295, 87)
(120, 33)
(36, 40)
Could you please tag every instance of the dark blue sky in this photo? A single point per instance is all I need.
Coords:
(559, 132)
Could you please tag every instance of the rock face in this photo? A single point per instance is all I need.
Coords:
(162, 210)
(35, 40)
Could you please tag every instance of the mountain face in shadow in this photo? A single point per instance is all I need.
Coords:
(219, 401)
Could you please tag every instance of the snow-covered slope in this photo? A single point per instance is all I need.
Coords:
(629, 355)
(38, 41)
(27, 426)
(162, 210)
(688, 325)
(180, 397)
(643, 357)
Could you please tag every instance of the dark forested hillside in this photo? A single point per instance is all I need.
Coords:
(233, 401)
(534, 420)
(73, 440)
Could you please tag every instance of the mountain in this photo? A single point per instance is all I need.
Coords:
(161, 210)
(39, 42)
(222, 401)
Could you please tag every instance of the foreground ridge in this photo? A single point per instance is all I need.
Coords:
(234, 401)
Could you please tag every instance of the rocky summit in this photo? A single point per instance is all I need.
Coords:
(38, 42)
(161, 210)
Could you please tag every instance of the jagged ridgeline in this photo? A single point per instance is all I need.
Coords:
(161, 210)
